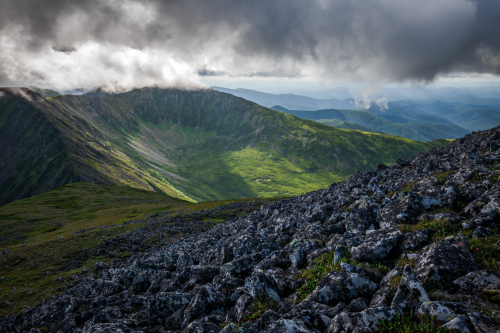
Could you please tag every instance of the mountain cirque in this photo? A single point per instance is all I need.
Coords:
(419, 235)
(194, 145)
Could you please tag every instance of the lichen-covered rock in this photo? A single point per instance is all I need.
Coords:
(342, 287)
(410, 293)
(110, 328)
(458, 324)
(372, 316)
(360, 219)
(416, 239)
(482, 232)
(403, 208)
(436, 310)
(207, 301)
(288, 326)
(377, 245)
(444, 261)
(483, 324)
(387, 289)
(475, 282)
(262, 286)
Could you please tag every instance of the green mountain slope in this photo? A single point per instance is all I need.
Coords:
(401, 125)
(194, 145)
(339, 123)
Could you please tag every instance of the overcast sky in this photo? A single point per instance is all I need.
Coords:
(67, 44)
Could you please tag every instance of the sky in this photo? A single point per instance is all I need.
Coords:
(264, 44)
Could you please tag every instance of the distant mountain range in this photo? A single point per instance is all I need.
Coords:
(410, 119)
(191, 144)
(289, 101)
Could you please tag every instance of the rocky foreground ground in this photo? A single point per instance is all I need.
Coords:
(408, 248)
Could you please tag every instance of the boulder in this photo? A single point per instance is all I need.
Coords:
(475, 282)
(261, 285)
(403, 208)
(410, 293)
(288, 326)
(482, 232)
(436, 310)
(444, 261)
(483, 324)
(207, 301)
(458, 324)
(377, 245)
(371, 317)
(416, 239)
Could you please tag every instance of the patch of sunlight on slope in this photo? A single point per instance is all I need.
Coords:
(269, 174)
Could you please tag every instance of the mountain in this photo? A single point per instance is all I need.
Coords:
(339, 123)
(289, 101)
(401, 125)
(190, 144)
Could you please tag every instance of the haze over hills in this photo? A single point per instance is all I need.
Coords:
(191, 144)
(416, 120)
(289, 101)
(398, 125)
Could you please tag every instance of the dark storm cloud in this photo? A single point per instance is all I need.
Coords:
(373, 40)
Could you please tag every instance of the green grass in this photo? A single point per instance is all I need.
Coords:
(30, 230)
(258, 308)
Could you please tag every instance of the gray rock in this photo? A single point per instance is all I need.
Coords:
(482, 324)
(482, 232)
(475, 282)
(458, 324)
(288, 326)
(436, 309)
(404, 208)
(444, 261)
(410, 293)
(372, 316)
(416, 239)
(377, 245)
(263, 286)
(207, 301)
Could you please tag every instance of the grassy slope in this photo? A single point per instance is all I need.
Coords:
(339, 123)
(206, 145)
(30, 231)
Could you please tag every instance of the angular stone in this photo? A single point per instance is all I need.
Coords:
(288, 326)
(482, 324)
(263, 286)
(410, 293)
(416, 239)
(402, 209)
(482, 232)
(372, 316)
(475, 282)
(377, 245)
(207, 301)
(444, 261)
(458, 324)
(440, 311)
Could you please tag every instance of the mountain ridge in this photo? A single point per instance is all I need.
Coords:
(198, 144)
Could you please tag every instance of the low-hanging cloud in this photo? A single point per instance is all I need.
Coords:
(66, 44)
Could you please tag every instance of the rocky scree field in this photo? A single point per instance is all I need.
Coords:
(411, 247)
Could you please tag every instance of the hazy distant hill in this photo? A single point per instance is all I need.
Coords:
(402, 125)
(289, 101)
(194, 145)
